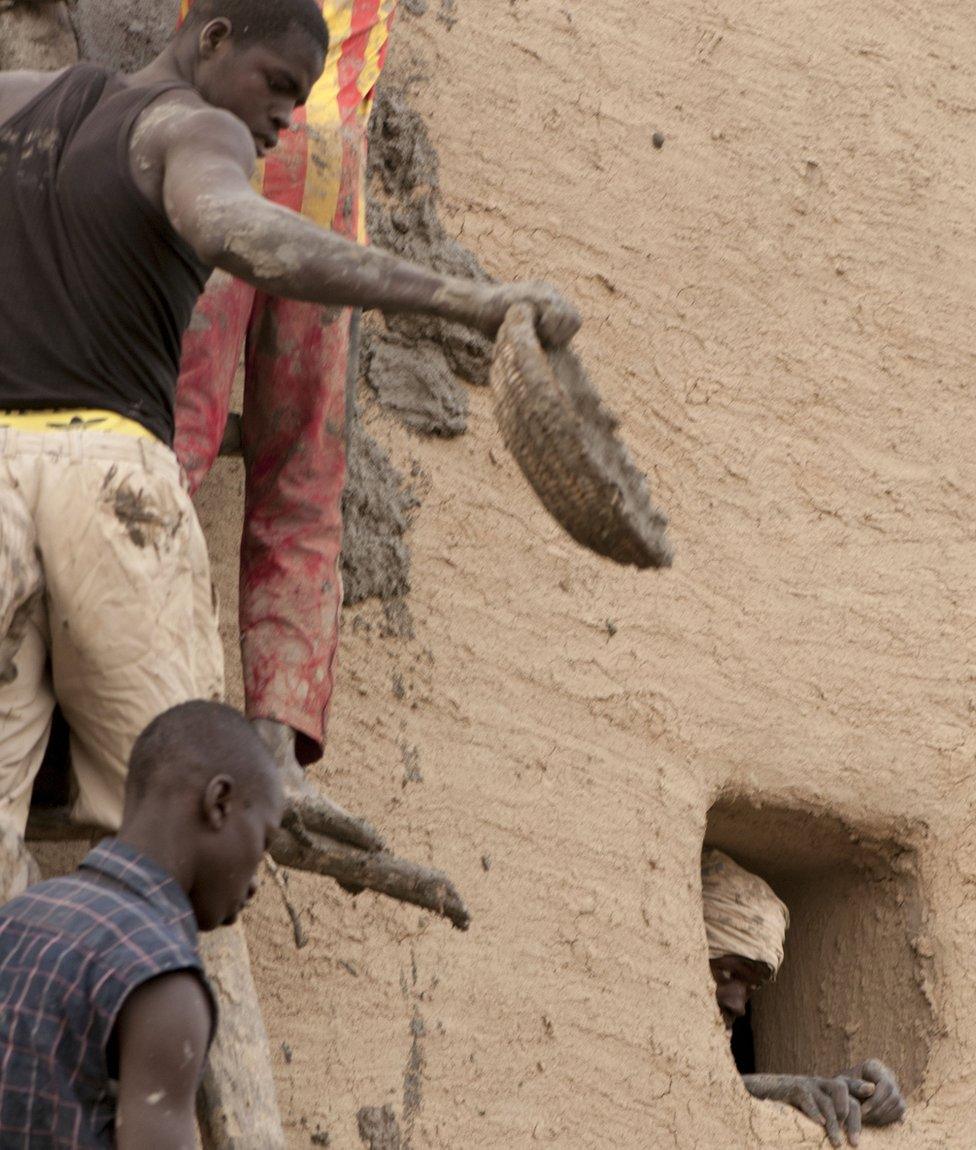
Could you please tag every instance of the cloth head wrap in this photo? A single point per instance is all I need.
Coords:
(742, 915)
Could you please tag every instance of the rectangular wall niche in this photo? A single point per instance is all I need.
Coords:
(852, 984)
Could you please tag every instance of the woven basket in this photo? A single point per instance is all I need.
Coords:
(564, 439)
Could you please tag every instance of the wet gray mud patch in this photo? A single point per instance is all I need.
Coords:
(376, 510)
(124, 34)
(378, 1128)
(416, 385)
(411, 365)
(404, 217)
(413, 1078)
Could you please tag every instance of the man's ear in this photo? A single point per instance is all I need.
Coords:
(214, 33)
(216, 802)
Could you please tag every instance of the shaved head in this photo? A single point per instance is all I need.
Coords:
(186, 746)
(203, 797)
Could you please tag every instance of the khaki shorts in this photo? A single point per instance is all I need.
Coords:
(106, 606)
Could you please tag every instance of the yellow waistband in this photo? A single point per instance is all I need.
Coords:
(74, 419)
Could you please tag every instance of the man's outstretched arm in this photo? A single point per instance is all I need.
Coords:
(208, 157)
(163, 1034)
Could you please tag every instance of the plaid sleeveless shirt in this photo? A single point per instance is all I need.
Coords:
(72, 950)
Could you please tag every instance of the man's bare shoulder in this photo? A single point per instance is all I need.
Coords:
(17, 89)
(180, 129)
(180, 118)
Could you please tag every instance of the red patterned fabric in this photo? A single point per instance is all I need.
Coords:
(294, 404)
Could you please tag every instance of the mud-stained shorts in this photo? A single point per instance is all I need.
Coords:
(106, 606)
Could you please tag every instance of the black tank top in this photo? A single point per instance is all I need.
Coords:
(96, 288)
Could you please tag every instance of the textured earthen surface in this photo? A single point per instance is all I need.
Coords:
(124, 34)
(36, 37)
(779, 305)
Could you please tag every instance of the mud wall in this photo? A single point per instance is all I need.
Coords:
(857, 973)
(779, 303)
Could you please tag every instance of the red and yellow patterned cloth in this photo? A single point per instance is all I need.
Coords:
(294, 403)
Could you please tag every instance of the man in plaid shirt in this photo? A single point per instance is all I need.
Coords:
(106, 1016)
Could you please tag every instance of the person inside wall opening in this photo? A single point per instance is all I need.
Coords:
(745, 926)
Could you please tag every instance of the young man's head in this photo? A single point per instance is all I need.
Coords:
(745, 925)
(255, 58)
(203, 797)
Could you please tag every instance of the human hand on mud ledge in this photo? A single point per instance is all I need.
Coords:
(318, 835)
(834, 1103)
(886, 1104)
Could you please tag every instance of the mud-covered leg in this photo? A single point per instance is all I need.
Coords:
(237, 1106)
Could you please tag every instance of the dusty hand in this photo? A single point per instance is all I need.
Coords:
(316, 813)
(834, 1103)
(886, 1104)
(557, 320)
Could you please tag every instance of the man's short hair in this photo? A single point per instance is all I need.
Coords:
(264, 20)
(190, 743)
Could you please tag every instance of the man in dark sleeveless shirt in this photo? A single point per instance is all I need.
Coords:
(117, 196)
(105, 1013)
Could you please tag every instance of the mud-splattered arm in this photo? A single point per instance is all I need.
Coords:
(208, 199)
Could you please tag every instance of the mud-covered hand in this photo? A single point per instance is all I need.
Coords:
(316, 813)
(886, 1104)
(834, 1103)
(557, 319)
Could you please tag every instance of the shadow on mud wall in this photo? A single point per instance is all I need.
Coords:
(857, 977)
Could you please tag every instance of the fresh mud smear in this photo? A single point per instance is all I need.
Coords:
(124, 34)
(413, 365)
(412, 361)
(378, 1128)
(376, 510)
